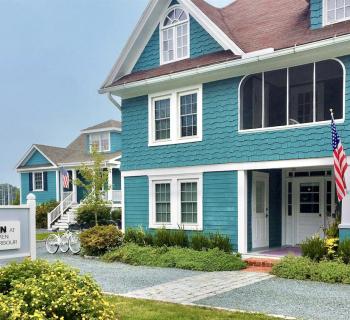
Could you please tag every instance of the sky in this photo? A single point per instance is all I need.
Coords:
(54, 56)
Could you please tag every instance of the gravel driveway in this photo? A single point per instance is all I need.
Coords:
(300, 299)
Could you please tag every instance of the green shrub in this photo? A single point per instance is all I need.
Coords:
(162, 238)
(314, 248)
(116, 214)
(302, 268)
(39, 290)
(175, 257)
(333, 230)
(86, 214)
(179, 238)
(344, 250)
(41, 213)
(100, 239)
(138, 236)
(221, 242)
(199, 241)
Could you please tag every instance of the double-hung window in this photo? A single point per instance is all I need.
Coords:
(100, 142)
(175, 117)
(174, 36)
(176, 202)
(38, 181)
(336, 10)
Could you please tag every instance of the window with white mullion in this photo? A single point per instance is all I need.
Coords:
(337, 10)
(163, 202)
(168, 45)
(162, 119)
(38, 181)
(188, 114)
(189, 200)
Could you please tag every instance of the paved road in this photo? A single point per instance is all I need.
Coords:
(233, 290)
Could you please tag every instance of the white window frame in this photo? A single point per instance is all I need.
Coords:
(42, 181)
(294, 126)
(99, 135)
(175, 201)
(325, 15)
(174, 26)
(175, 116)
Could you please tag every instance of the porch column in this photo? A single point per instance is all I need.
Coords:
(344, 227)
(242, 186)
(75, 189)
(110, 184)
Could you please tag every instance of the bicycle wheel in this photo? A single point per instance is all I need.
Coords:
(74, 243)
(64, 245)
(52, 243)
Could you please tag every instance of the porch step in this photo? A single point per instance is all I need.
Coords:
(261, 262)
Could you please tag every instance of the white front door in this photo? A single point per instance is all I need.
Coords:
(309, 208)
(260, 210)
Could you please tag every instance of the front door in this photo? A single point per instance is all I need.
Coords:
(260, 210)
(309, 208)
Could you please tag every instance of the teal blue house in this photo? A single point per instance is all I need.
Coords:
(226, 121)
(41, 169)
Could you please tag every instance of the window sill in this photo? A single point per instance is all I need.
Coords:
(179, 141)
(186, 227)
(38, 190)
(288, 127)
(327, 23)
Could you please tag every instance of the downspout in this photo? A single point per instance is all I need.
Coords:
(115, 102)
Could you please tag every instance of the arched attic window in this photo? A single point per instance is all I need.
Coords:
(175, 41)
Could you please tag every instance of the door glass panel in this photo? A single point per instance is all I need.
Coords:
(260, 196)
(309, 198)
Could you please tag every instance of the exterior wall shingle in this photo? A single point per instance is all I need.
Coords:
(316, 14)
(222, 143)
(36, 159)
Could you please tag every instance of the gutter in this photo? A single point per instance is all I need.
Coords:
(115, 102)
(229, 64)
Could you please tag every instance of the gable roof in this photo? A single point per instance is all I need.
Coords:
(145, 28)
(252, 26)
(109, 124)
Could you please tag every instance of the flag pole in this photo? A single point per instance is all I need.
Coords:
(332, 114)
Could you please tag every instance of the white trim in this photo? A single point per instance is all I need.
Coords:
(42, 181)
(57, 185)
(284, 208)
(28, 170)
(175, 123)
(145, 28)
(175, 201)
(242, 199)
(289, 126)
(102, 130)
(123, 202)
(325, 21)
(277, 164)
(174, 27)
(29, 153)
(336, 46)
(100, 135)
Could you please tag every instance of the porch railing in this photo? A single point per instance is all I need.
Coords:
(59, 210)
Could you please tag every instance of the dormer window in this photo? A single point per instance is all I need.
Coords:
(337, 10)
(175, 41)
(100, 142)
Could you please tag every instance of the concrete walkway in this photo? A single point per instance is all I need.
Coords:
(233, 290)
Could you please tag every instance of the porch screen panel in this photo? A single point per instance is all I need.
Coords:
(301, 94)
(189, 202)
(163, 212)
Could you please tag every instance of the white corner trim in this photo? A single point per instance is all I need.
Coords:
(242, 187)
(175, 116)
(175, 201)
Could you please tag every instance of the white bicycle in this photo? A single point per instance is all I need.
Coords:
(69, 240)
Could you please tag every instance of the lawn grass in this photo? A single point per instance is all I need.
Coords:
(136, 309)
(175, 257)
(43, 236)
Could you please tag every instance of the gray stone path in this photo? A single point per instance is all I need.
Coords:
(199, 287)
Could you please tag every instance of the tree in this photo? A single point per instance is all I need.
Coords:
(16, 201)
(94, 179)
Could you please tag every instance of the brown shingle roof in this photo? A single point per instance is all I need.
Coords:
(252, 25)
(105, 125)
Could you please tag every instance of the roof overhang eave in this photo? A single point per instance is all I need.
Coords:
(296, 55)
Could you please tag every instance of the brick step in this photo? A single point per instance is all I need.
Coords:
(261, 262)
(258, 269)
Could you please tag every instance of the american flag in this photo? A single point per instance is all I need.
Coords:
(65, 178)
(340, 163)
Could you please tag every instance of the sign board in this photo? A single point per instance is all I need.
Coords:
(10, 235)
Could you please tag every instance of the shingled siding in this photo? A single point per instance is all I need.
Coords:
(316, 14)
(36, 159)
(116, 141)
(42, 196)
(201, 43)
(222, 143)
(136, 202)
(220, 204)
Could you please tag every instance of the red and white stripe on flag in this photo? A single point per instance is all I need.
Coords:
(65, 179)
